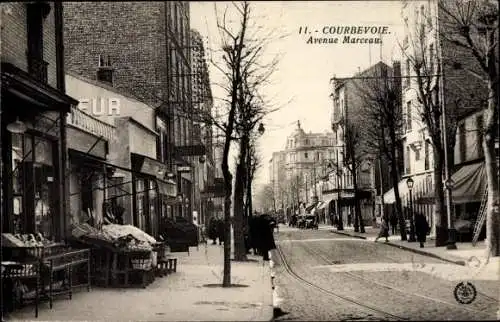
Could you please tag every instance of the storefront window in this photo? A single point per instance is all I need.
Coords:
(43, 171)
(32, 185)
(140, 200)
(152, 218)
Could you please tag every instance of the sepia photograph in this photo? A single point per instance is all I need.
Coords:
(250, 160)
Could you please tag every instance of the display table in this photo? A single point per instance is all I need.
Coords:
(43, 272)
(21, 284)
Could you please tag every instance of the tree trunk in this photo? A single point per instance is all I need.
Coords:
(441, 218)
(238, 207)
(492, 210)
(358, 219)
(397, 198)
(228, 178)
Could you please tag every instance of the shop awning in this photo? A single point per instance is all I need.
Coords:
(147, 165)
(418, 181)
(326, 202)
(470, 184)
(21, 84)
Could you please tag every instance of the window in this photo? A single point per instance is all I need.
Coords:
(408, 116)
(37, 67)
(480, 126)
(417, 155)
(427, 152)
(462, 141)
(307, 141)
(408, 73)
(305, 155)
(407, 161)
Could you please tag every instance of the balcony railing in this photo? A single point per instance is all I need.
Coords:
(38, 68)
(88, 123)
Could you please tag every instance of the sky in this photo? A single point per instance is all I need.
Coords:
(301, 85)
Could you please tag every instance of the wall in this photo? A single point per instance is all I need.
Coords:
(14, 41)
(131, 33)
(142, 141)
(86, 89)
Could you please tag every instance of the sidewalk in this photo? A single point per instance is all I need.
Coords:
(180, 296)
(464, 255)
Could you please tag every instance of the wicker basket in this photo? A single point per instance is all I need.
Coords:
(141, 263)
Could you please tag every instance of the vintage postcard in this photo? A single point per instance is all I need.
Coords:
(250, 160)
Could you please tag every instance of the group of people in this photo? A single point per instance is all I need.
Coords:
(258, 234)
(216, 230)
(422, 228)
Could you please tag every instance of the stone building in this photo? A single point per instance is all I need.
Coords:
(464, 93)
(299, 167)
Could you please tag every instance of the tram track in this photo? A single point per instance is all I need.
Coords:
(366, 306)
(395, 289)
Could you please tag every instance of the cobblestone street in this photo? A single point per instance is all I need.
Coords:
(327, 276)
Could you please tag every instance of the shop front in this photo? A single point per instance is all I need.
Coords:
(32, 131)
(153, 196)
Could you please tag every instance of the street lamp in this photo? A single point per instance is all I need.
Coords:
(449, 183)
(261, 129)
(17, 127)
(409, 183)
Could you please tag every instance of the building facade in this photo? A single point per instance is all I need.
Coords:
(457, 73)
(297, 170)
(355, 155)
(33, 120)
(113, 158)
(156, 70)
(202, 105)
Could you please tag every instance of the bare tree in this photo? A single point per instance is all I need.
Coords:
(381, 110)
(235, 61)
(473, 26)
(354, 155)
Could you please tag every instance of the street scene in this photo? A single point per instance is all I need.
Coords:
(322, 275)
(250, 161)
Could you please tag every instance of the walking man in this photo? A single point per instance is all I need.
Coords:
(394, 222)
(421, 228)
(384, 230)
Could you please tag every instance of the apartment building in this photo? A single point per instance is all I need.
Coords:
(143, 48)
(348, 120)
(33, 119)
(202, 105)
(297, 170)
(463, 93)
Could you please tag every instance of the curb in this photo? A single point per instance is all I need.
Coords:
(411, 249)
(347, 234)
(277, 312)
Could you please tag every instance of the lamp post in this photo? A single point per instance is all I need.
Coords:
(409, 183)
(451, 229)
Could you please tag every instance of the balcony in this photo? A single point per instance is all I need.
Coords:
(90, 124)
(37, 68)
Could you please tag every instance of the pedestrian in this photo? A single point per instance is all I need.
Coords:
(421, 228)
(221, 232)
(349, 219)
(394, 222)
(212, 230)
(384, 230)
